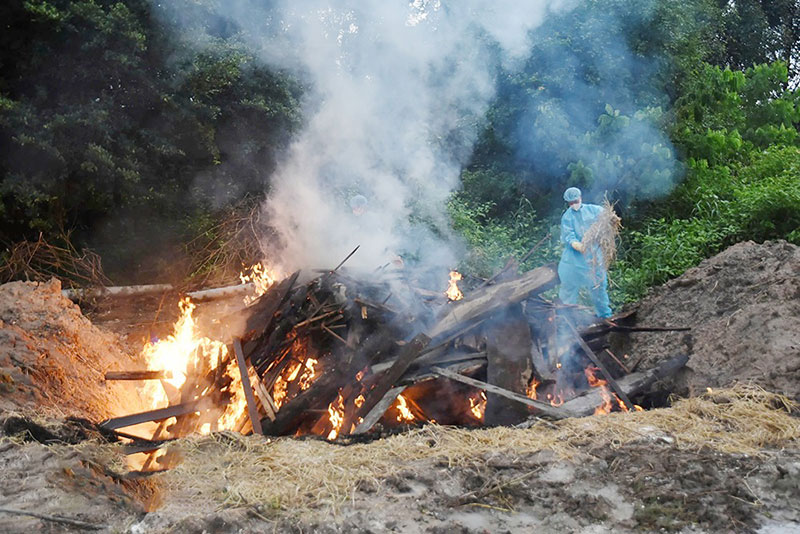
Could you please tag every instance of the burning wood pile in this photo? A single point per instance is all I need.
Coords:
(338, 356)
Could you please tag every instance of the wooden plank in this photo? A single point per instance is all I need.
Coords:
(490, 298)
(197, 405)
(378, 410)
(115, 291)
(462, 367)
(218, 293)
(553, 411)
(252, 409)
(541, 367)
(508, 349)
(632, 384)
(138, 375)
(408, 352)
(145, 445)
(266, 400)
(593, 357)
(541, 318)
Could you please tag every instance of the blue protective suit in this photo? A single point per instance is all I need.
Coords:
(578, 270)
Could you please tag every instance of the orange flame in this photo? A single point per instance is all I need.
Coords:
(555, 400)
(477, 405)
(282, 383)
(262, 279)
(531, 391)
(591, 377)
(595, 382)
(404, 414)
(309, 374)
(453, 293)
(336, 416)
(187, 353)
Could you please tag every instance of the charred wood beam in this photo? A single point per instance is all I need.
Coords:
(442, 358)
(633, 384)
(490, 298)
(593, 357)
(540, 365)
(373, 397)
(553, 411)
(252, 409)
(462, 367)
(515, 264)
(261, 312)
(441, 343)
(508, 346)
(144, 445)
(138, 375)
(378, 410)
(346, 258)
(197, 405)
(621, 365)
(74, 523)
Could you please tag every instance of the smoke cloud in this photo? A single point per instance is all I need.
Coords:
(396, 95)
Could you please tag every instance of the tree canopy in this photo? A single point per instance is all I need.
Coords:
(124, 138)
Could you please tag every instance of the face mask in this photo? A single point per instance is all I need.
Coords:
(576, 206)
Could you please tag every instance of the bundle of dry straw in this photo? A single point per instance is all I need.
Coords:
(603, 235)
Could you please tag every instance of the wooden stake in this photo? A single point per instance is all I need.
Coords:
(347, 258)
(138, 375)
(197, 405)
(252, 410)
(54, 519)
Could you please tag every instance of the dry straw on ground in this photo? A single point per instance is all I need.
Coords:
(291, 475)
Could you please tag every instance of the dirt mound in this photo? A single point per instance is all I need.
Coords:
(743, 306)
(52, 358)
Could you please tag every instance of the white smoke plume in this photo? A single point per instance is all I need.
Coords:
(396, 96)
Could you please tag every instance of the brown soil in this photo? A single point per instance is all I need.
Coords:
(743, 306)
(53, 359)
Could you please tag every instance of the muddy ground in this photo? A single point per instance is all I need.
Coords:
(743, 308)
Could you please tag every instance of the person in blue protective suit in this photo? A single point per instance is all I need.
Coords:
(581, 268)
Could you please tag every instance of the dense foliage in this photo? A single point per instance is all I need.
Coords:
(119, 136)
(664, 108)
(124, 138)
